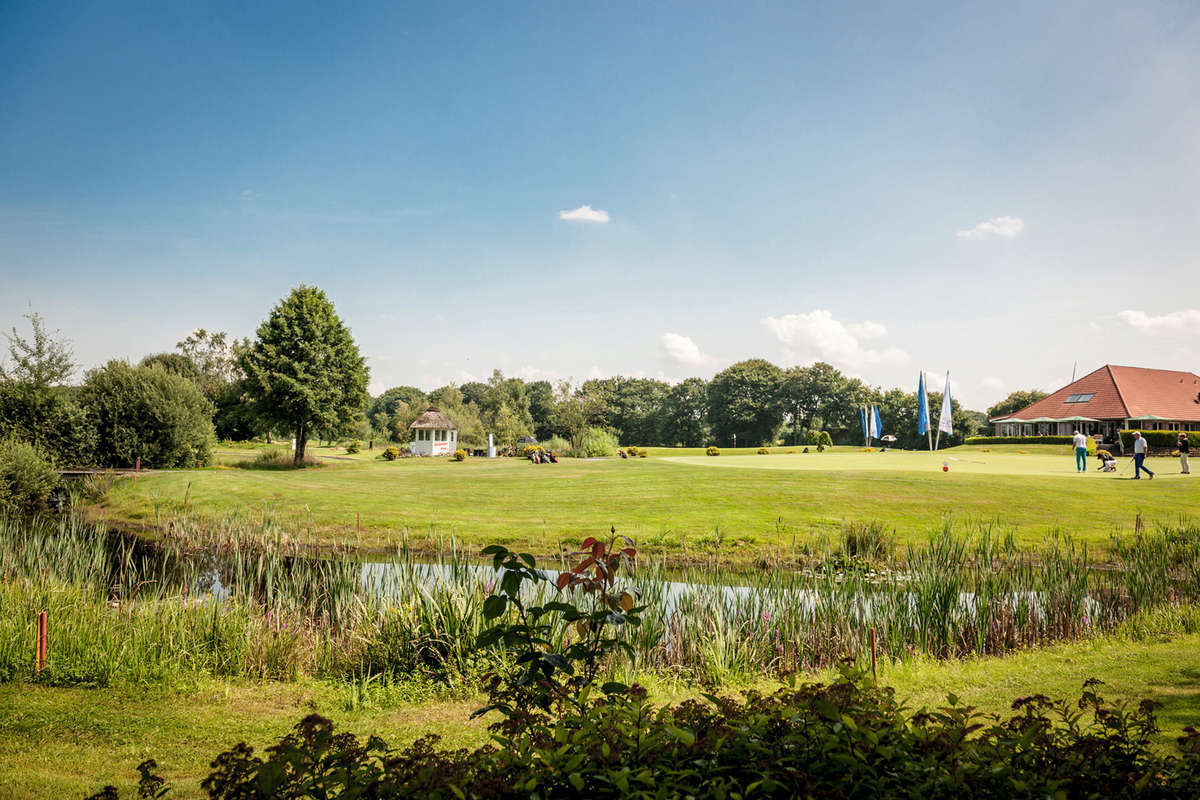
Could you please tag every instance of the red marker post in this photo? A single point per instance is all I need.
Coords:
(41, 642)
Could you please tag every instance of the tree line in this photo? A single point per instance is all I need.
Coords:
(302, 377)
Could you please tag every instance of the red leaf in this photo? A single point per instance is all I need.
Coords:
(588, 542)
(630, 551)
(563, 579)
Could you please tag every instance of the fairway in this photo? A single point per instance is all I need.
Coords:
(719, 507)
(970, 460)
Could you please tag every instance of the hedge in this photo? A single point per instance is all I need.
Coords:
(1018, 440)
(1166, 440)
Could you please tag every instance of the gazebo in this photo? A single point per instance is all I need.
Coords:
(433, 434)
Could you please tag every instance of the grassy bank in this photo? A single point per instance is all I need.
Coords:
(62, 742)
(668, 503)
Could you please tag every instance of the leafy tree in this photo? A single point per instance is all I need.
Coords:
(541, 408)
(743, 401)
(475, 393)
(215, 357)
(44, 361)
(683, 416)
(465, 416)
(304, 372)
(1015, 402)
(174, 363)
(147, 413)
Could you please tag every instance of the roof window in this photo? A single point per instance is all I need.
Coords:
(1080, 398)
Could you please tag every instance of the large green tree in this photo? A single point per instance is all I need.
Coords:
(1015, 402)
(147, 414)
(304, 373)
(683, 416)
(743, 402)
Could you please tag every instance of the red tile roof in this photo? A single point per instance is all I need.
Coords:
(1124, 393)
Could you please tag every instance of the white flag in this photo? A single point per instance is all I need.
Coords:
(944, 423)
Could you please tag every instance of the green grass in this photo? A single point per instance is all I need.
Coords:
(58, 742)
(674, 502)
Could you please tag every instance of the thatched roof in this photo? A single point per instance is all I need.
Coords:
(435, 420)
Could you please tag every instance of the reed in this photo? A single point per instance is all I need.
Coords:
(251, 597)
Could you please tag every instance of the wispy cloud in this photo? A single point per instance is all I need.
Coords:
(1006, 227)
(817, 336)
(584, 213)
(1185, 321)
(683, 351)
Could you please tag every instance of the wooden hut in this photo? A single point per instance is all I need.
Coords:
(433, 434)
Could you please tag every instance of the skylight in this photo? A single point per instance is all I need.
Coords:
(1080, 398)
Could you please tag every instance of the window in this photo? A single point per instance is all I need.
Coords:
(1080, 398)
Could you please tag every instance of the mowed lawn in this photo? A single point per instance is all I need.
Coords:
(725, 505)
(65, 742)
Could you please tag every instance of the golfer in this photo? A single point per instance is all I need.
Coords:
(1139, 457)
(1183, 452)
(1080, 452)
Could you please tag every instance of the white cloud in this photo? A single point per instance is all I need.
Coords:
(1006, 227)
(817, 336)
(682, 350)
(1185, 321)
(584, 213)
(532, 373)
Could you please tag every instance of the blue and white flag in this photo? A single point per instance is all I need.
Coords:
(862, 415)
(876, 423)
(944, 423)
(922, 407)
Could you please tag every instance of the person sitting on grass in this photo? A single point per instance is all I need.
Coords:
(1107, 462)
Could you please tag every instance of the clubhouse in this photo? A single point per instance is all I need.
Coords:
(1109, 400)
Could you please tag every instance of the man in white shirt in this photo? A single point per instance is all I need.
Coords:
(1139, 456)
(1080, 452)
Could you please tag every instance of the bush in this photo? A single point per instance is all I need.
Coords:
(149, 414)
(50, 419)
(459, 455)
(391, 453)
(712, 450)
(1017, 440)
(643, 453)
(1159, 439)
(26, 477)
(764, 451)
(844, 739)
(529, 449)
(824, 440)
(353, 446)
(278, 459)
(632, 450)
(595, 443)
(556, 444)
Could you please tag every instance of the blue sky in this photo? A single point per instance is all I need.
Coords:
(996, 191)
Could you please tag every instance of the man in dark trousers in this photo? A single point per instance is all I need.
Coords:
(1183, 452)
(1139, 456)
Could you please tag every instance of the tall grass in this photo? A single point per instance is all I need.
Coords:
(249, 598)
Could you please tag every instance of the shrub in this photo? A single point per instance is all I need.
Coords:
(595, 443)
(1159, 439)
(353, 446)
(391, 453)
(529, 449)
(51, 419)
(278, 459)
(713, 450)
(632, 450)
(643, 453)
(764, 451)
(824, 440)
(1091, 446)
(1017, 440)
(26, 477)
(459, 455)
(149, 414)
(847, 739)
(556, 444)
